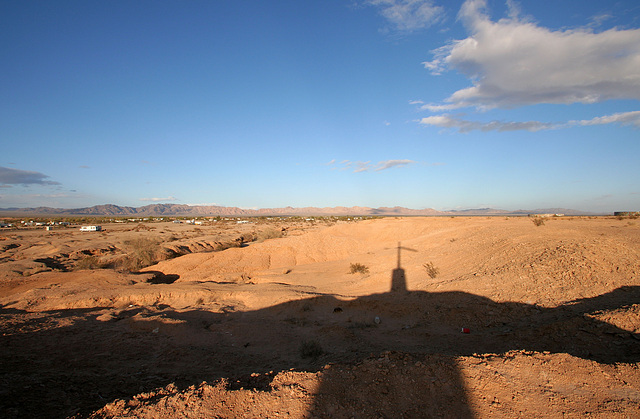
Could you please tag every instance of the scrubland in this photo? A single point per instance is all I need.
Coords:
(393, 317)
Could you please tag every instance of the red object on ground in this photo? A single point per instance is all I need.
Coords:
(466, 330)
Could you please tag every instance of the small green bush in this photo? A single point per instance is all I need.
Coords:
(358, 268)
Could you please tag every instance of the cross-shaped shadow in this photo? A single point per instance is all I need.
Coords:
(398, 278)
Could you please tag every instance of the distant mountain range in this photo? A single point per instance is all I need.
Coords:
(180, 210)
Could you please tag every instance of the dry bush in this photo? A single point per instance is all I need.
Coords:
(432, 271)
(91, 262)
(538, 221)
(358, 268)
(142, 252)
(270, 233)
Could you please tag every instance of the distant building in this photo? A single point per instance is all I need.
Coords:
(91, 228)
(626, 213)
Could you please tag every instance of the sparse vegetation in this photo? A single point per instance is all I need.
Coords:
(358, 268)
(310, 349)
(90, 262)
(270, 233)
(432, 271)
(538, 221)
(143, 252)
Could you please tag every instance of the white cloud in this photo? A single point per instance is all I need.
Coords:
(367, 166)
(204, 204)
(170, 198)
(388, 164)
(463, 125)
(624, 118)
(361, 166)
(513, 62)
(598, 20)
(409, 15)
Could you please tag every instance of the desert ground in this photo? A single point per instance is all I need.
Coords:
(468, 317)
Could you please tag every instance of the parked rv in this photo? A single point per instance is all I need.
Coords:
(91, 228)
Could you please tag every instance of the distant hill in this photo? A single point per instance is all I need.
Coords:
(181, 210)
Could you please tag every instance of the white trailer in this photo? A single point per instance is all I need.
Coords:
(91, 228)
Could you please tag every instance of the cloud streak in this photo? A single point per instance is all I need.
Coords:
(409, 15)
(367, 166)
(513, 62)
(170, 198)
(462, 125)
(623, 118)
(10, 176)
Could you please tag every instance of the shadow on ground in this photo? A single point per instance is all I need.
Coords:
(72, 362)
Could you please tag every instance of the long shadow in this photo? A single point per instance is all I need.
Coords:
(160, 277)
(72, 362)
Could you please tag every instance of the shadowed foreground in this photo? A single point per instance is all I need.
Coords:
(74, 361)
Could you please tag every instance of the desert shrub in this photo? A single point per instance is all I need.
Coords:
(90, 262)
(310, 349)
(432, 271)
(537, 221)
(142, 252)
(358, 268)
(270, 233)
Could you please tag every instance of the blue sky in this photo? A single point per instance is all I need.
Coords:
(416, 103)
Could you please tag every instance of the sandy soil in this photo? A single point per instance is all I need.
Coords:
(281, 328)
